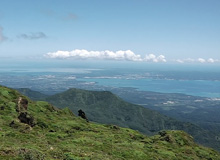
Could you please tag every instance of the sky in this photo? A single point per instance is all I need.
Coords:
(158, 31)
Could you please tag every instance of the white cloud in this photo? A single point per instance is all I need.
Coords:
(211, 60)
(127, 55)
(189, 60)
(161, 58)
(201, 60)
(179, 61)
(2, 37)
(153, 58)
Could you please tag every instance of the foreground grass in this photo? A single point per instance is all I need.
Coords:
(59, 134)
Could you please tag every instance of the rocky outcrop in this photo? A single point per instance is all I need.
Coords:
(22, 104)
(26, 118)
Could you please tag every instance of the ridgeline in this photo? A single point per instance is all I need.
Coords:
(107, 108)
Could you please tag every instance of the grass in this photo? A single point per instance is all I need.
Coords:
(59, 134)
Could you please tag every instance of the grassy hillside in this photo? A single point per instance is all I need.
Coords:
(59, 134)
(105, 107)
(198, 110)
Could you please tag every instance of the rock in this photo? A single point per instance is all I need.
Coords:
(22, 104)
(82, 114)
(24, 117)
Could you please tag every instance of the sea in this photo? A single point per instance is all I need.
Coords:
(53, 76)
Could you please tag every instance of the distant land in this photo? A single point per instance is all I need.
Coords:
(51, 78)
(202, 111)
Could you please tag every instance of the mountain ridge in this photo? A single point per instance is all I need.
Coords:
(107, 108)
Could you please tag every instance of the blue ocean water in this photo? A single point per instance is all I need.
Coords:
(204, 88)
(197, 80)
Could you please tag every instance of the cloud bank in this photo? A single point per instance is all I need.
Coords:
(198, 60)
(2, 37)
(121, 55)
(127, 55)
(33, 36)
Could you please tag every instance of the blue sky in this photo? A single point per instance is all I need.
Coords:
(181, 31)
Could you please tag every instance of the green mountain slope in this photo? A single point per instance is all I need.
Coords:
(52, 133)
(34, 95)
(200, 110)
(105, 107)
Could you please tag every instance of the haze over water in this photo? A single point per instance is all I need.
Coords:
(197, 80)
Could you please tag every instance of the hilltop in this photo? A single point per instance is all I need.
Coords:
(59, 134)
